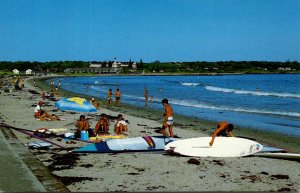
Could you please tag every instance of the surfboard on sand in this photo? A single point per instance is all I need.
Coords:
(133, 144)
(279, 155)
(222, 147)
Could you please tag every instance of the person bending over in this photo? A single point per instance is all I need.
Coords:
(223, 129)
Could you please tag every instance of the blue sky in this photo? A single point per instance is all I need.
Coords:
(164, 30)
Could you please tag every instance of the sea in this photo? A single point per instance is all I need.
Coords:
(269, 102)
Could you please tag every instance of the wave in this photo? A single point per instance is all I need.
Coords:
(98, 82)
(238, 109)
(249, 92)
(189, 83)
(196, 104)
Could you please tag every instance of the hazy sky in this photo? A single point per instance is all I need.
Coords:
(165, 30)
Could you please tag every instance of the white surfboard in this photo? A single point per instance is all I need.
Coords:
(222, 147)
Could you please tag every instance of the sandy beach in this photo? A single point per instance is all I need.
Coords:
(135, 172)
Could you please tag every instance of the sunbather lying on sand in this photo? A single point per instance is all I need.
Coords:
(47, 117)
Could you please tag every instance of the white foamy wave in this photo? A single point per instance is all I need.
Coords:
(257, 93)
(196, 104)
(98, 82)
(133, 97)
(189, 83)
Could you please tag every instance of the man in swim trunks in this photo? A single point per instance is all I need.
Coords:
(102, 126)
(168, 118)
(223, 129)
(81, 125)
(118, 97)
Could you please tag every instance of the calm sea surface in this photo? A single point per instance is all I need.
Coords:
(265, 102)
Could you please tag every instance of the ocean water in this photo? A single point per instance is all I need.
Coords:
(263, 101)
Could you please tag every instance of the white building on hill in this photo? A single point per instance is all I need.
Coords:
(28, 71)
(15, 71)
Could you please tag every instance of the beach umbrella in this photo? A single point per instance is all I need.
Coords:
(75, 104)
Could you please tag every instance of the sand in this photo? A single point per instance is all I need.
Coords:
(145, 171)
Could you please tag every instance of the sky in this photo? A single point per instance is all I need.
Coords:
(164, 30)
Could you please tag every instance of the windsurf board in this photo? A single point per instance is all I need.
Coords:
(132, 144)
(222, 147)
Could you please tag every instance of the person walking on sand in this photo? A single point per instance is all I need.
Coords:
(118, 97)
(168, 119)
(109, 97)
(223, 129)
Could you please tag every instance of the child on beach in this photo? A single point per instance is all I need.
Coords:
(223, 129)
(120, 125)
(168, 119)
(102, 126)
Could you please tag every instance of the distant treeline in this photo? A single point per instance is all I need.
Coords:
(157, 66)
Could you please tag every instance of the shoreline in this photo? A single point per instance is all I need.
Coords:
(192, 123)
(143, 171)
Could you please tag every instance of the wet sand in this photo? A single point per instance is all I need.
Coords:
(148, 171)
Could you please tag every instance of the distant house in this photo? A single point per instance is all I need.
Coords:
(116, 64)
(124, 65)
(15, 71)
(93, 65)
(28, 71)
(134, 66)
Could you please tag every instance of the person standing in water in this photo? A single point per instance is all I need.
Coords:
(146, 94)
(118, 97)
(109, 97)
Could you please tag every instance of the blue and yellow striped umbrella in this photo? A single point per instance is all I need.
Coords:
(75, 104)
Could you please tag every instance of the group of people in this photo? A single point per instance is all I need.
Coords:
(101, 127)
(18, 83)
(117, 95)
(224, 128)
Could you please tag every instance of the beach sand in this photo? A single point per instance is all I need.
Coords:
(148, 171)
